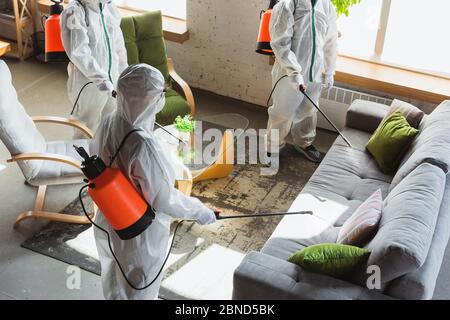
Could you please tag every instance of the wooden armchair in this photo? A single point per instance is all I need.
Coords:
(42, 163)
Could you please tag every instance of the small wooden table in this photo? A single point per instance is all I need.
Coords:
(5, 47)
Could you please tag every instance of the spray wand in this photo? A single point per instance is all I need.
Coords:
(302, 90)
(258, 215)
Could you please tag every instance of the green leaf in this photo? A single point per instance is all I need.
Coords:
(184, 124)
(342, 6)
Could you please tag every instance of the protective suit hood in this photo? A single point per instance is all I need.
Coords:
(94, 4)
(144, 98)
(304, 4)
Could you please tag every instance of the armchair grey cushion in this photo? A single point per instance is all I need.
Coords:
(51, 172)
(17, 130)
(408, 222)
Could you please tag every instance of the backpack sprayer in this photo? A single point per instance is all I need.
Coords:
(124, 207)
(263, 42)
(54, 49)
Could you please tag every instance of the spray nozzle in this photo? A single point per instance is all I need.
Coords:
(56, 7)
(93, 166)
(82, 152)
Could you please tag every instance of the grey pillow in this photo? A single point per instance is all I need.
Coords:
(412, 114)
(363, 223)
(407, 224)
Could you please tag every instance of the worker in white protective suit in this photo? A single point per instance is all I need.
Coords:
(144, 161)
(304, 40)
(94, 43)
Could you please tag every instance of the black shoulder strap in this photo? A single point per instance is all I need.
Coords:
(113, 158)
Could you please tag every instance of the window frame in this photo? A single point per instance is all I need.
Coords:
(129, 8)
(376, 57)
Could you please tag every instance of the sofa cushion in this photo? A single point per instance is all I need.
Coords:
(345, 179)
(52, 172)
(295, 232)
(408, 222)
(420, 283)
(365, 115)
(260, 276)
(433, 142)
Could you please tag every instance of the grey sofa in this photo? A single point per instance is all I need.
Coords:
(413, 233)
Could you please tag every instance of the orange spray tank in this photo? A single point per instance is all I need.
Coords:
(263, 41)
(54, 49)
(121, 204)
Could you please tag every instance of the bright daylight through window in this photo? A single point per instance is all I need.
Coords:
(411, 34)
(172, 8)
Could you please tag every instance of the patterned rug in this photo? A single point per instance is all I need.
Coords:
(204, 257)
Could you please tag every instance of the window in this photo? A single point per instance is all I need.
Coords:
(172, 8)
(412, 34)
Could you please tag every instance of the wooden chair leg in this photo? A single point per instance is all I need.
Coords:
(38, 213)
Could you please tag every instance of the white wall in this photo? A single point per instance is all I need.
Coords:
(220, 54)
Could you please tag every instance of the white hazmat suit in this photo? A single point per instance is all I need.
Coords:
(93, 40)
(304, 40)
(145, 162)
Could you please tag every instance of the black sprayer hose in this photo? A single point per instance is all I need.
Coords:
(168, 132)
(273, 89)
(80, 196)
(78, 97)
(122, 143)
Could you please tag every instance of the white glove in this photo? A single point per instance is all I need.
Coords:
(106, 86)
(327, 81)
(207, 217)
(297, 81)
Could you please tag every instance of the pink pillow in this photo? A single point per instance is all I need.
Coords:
(412, 114)
(363, 223)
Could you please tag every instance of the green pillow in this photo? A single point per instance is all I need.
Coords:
(390, 141)
(332, 259)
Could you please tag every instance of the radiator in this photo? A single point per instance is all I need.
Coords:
(335, 103)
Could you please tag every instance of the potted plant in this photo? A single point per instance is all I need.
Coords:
(342, 6)
(185, 126)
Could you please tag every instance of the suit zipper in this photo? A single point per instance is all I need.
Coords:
(107, 42)
(313, 55)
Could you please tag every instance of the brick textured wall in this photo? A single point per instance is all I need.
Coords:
(220, 54)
